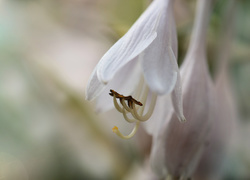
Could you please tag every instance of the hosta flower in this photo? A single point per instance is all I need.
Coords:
(223, 129)
(142, 64)
(218, 141)
(178, 147)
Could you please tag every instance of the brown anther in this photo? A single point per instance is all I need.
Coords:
(129, 99)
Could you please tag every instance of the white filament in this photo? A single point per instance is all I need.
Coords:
(137, 113)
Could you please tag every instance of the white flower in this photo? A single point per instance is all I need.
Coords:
(218, 141)
(142, 63)
(224, 126)
(178, 147)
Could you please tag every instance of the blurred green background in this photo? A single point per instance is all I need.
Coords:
(48, 49)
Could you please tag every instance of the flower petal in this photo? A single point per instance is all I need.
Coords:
(124, 82)
(159, 61)
(222, 131)
(160, 69)
(184, 142)
(177, 102)
(137, 39)
(94, 87)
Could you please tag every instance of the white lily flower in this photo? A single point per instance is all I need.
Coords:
(142, 63)
(178, 147)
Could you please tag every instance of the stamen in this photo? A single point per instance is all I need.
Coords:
(122, 110)
(150, 110)
(128, 105)
(129, 99)
(127, 118)
(144, 97)
(118, 133)
(117, 105)
(129, 109)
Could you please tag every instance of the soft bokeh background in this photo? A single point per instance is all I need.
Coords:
(48, 49)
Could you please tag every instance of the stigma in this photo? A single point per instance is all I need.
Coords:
(133, 110)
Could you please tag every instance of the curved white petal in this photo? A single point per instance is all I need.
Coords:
(94, 87)
(184, 142)
(159, 61)
(160, 69)
(177, 101)
(176, 94)
(124, 82)
(137, 39)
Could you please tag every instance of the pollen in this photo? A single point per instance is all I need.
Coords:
(115, 129)
(130, 100)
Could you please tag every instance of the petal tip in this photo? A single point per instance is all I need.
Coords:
(88, 97)
(182, 119)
